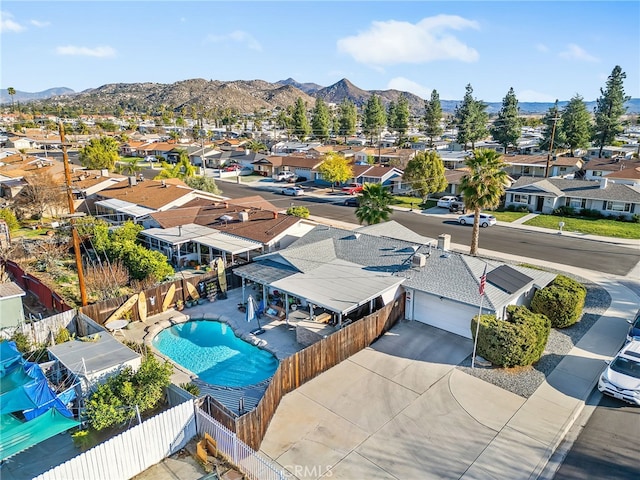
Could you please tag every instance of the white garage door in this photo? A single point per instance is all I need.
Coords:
(447, 315)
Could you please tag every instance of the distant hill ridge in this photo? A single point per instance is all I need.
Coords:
(248, 96)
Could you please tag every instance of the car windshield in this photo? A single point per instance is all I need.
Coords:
(626, 366)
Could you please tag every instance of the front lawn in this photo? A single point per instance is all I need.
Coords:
(412, 202)
(605, 228)
(508, 216)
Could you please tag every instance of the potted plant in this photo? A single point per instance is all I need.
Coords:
(179, 305)
(189, 303)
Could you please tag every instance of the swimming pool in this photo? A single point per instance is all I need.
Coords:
(212, 351)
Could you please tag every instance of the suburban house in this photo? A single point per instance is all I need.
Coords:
(351, 273)
(245, 158)
(453, 178)
(386, 176)
(546, 195)
(230, 143)
(20, 143)
(287, 148)
(86, 183)
(303, 166)
(597, 168)
(16, 169)
(536, 165)
(157, 149)
(397, 157)
(236, 230)
(11, 305)
(134, 200)
(609, 151)
(629, 176)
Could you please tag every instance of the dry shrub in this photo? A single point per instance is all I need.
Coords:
(104, 281)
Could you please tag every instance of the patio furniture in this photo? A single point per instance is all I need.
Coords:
(116, 327)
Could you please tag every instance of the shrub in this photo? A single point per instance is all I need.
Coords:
(62, 336)
(589, 213)
(562, 301)
(518, 340)
(635, 218)
(565, 211)
(23, 344)
(9, 217)
(302, 212)
(192, 388)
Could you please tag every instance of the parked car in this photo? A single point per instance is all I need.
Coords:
(621, 378)
(294, 191)
(352, 202)
(282, 176)
(292, 179)
(457, 207)
(352, 188)
(634, 329)
(232, 168)
(445, 202)
(486, 220)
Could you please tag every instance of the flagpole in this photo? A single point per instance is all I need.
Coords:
(475, 340)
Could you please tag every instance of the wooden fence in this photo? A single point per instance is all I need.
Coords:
(303, 366)
(134, 450)
(100, 311)
(29, 283)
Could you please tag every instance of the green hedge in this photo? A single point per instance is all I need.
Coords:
(562, 301)
(516, 341)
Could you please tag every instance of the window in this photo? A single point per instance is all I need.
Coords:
(597, 173)
(526, 170)
(517, 198)
(576, 202)
(618, 207)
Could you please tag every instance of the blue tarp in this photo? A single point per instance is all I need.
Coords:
(10, 357)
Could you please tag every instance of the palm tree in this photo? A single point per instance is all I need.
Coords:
(11, 91)
(483, 186)
(256, 146)
(131, 166)
(182, 169)
(374, 204)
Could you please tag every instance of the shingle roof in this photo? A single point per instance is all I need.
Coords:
(578, 189)
(149, 193)
(10, 289)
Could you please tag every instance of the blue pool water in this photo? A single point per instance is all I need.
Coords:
(212, 351)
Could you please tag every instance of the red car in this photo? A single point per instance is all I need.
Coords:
(352, 188)
(232, 168)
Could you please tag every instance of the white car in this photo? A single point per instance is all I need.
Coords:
(486, 220)
(294, 191)
(282, 176)
(445, 202)
(621, 378)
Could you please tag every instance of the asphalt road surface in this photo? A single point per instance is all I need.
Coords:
(608, 447)
(589, 254)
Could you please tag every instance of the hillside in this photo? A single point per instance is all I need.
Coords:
(245, 96)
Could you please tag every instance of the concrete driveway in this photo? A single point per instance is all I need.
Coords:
(396, 410)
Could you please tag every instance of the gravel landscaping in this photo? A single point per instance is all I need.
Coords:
(524, 381)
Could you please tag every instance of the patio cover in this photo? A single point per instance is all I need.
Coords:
(127, 208)
(179, 234)
(18, 436)
(339, 286)
(228, 243)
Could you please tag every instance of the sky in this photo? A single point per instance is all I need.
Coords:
(545, 50)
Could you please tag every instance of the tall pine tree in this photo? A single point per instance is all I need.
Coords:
(576, 124)
(471, 119)
(433, 117)
(374, 117)
(299, 122)
(347, 118)
(320, 120)
(609, 109)
(506, 128)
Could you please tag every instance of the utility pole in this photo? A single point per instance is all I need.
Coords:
(74, 232)
(553, 133)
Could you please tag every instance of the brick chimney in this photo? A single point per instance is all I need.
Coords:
(275, 215)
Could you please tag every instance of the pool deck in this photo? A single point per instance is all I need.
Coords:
(279, 337)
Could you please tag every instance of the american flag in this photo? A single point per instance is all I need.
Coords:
(483, 281)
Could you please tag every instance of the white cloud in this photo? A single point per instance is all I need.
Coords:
(574, 52)
(393, 42)
(533, 96)
(39, 24)
(406, 85)
(100, 52)
(237, 36)
(7, 24)
(541, 47)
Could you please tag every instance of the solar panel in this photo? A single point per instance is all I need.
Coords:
(508, 279)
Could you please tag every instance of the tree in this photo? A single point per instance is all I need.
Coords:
(483, 186)
(11, 91)
(471, 119)
(10, 218)
(335, 169)
(347, 118)
(43, 193)
(131, 166)
(374, 204)
(298, 211)
(609, 109)
(206, 184)
(256, 146)
(391, 115)
(182, 169)
(320, 120)
(551, 118)
(425, 172)
(100, 153)
(506, 129)
(433, 117)
(374, 117)
(299, 122)
(576, 124)
(401, 117)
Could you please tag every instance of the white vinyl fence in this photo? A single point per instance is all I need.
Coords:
(252, 464)
(133, 451)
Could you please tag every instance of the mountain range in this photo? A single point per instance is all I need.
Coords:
(245, 96)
